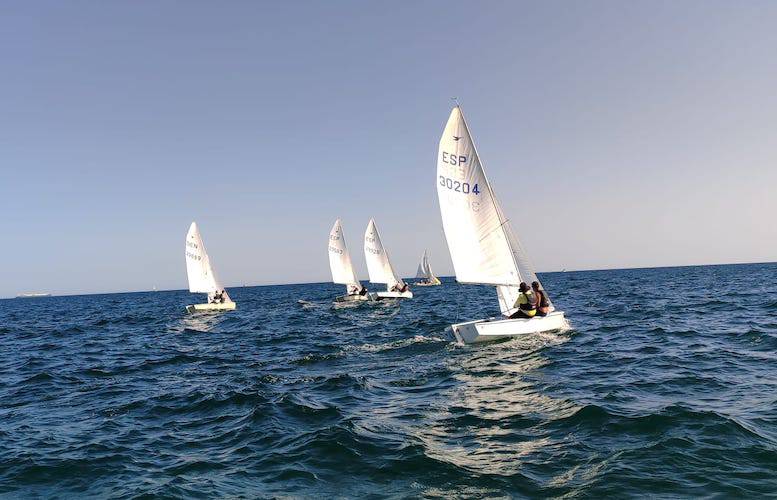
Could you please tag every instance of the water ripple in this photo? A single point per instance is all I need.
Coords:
(665, 387)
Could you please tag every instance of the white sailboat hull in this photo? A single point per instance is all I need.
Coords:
(485, 330)
(354, 298)
(395, 295)
(226, 306)
(421, 283)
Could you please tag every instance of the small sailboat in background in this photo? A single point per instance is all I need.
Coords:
(342, 268)
(379, 266)
(483, 248)
(425, 274)
(202, 278)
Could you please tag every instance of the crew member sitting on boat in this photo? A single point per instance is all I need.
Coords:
(526, 303)
(400, 289)
(542, 302)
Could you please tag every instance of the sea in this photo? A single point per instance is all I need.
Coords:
(664, 387)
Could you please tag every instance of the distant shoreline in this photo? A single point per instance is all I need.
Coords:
(410, 279)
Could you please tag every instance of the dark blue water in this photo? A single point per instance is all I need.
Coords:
(666, 386)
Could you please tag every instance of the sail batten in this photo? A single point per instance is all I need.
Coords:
(378, 263)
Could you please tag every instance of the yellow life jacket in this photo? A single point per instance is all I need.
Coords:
(526, 304)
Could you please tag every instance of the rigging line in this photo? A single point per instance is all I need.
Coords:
(497, 227)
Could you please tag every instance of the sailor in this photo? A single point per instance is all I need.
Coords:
(526, 303)
(353, 289)
(363, 291)
(215, 299)
(542, 301)
(222, 299)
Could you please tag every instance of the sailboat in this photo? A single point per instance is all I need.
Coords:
(342, 269)
(379, 266)
(425, 274)
(483, 248)
(202, 278)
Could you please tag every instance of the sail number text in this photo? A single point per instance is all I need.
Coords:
(459, 187)
(453, 159)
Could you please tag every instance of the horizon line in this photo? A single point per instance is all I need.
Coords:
(320, 282)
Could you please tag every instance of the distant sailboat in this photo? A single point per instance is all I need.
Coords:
(342, 268)
(379, 266)
(425, 274)
(483, 248)
(202, 278)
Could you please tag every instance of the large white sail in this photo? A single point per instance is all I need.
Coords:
(202, 278)
(378, 264)
(340, 259)
(483, 247)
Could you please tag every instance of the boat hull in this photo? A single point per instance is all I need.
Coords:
(395, 295)
(485, 330)
(353, 298)
(226, 306)
(426, 284)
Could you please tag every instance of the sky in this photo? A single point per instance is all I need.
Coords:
(616, 134)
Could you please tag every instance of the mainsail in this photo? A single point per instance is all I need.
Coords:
(378, 264)
(340, 259)
(202, 278)
(482, 245)
(424, 270)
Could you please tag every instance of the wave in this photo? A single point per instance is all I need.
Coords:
(126, 395)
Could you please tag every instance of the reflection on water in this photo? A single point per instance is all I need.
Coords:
(201, 321)
(494, 411)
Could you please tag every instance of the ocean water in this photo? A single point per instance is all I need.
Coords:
(665, 387)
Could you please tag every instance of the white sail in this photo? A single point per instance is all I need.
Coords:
(507, 296)
(340, 259)
(420, 272)
(428, 269)
(423, 271)
(202, 278)
(483, 247)
(378, 264)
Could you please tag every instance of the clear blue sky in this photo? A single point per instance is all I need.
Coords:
(635, 133)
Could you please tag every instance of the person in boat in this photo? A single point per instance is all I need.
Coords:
(363, 291)
(216, 297)
(541, 298)
(526, 303)
(400, 289)
(222, 297)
